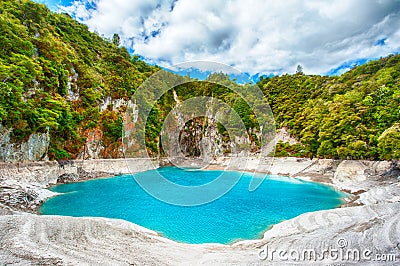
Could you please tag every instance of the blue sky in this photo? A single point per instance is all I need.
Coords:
(54, 4)
(258, 37)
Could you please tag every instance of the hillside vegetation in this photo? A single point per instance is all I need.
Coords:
(54, 73)
(58, 77)
(353, 116)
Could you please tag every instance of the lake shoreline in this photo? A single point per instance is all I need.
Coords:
(249, 213)
(33, 179)
(364, 179)
(321, 171)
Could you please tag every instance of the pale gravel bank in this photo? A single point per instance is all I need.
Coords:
(48, 240)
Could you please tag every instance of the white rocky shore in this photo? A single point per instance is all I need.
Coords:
(371, 230)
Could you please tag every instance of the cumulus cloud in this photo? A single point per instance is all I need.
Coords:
(263, 36)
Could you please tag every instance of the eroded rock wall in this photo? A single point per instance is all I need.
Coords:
(34, 149)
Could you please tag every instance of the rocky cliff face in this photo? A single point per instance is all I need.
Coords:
(197, 138)
(34, 149)
(189, 135)
(200, 132)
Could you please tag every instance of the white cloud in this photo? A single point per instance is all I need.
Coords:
(253, 36)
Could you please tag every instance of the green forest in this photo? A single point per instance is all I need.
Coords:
(41, 52)
(46, 57)
(355, 115)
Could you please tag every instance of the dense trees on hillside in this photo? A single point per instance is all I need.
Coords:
(43, 57)
(351, 116)
(55, 75)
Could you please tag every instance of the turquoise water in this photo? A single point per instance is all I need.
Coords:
(237, 215)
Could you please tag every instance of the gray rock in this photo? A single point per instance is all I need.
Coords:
(31, 239)
(34, 149)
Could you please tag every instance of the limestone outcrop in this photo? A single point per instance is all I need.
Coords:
(34, 149)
